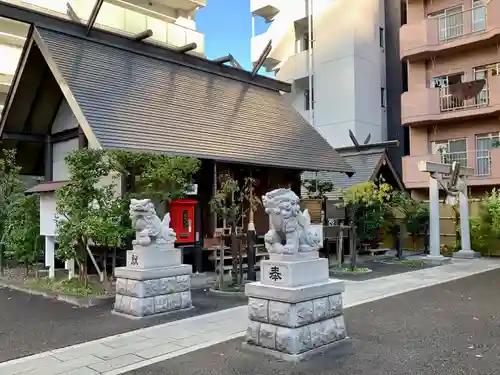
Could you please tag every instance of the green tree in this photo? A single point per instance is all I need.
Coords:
(233, 202)
(369, 204)
(22, 230)
(415, 214)
(227, 205)
(317, 189)
(161, 178)
(89, 212)
(10, 187)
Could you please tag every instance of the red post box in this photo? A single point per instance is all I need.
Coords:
(182, 213)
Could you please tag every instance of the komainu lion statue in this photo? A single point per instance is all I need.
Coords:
(149, 229)
(286, 220)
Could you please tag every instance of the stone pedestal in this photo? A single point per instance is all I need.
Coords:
(466, 254)
(295, 310)
(154, 282)
(436, 259)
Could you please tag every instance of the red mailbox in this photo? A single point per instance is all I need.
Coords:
(182, 213)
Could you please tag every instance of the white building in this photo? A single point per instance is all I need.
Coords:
(171, 21)
(349, 63)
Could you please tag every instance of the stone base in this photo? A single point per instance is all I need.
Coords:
(139, 296)
(153, 256)
(466, 254)
(341, 345)
(123, 315)
(436, 260)
(306, 319)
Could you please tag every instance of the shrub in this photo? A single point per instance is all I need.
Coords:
(485, 227)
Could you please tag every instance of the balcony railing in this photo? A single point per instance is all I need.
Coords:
(448, 102)
(421, 105)
(462, 23)
(480, 160)
(124, 18)
(436, 36)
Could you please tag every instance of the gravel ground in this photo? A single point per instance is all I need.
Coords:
(31, 324)
(448, 329)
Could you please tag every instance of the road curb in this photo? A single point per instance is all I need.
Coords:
(77, 301)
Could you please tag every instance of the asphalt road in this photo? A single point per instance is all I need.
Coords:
(32, 324)
(449, 329)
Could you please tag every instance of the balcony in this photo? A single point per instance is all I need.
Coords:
(486, 164)
(12, 32)
(294, 68)
(167, 33)
(179, 36)
(265, 8)
(438, 36)
(118, 16)
(187, 5)
(431, 105)
(5, 81)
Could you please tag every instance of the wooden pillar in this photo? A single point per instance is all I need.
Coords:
(82, 139)
(49, 159)
(214, 192)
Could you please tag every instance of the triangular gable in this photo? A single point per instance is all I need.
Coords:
(126, 100)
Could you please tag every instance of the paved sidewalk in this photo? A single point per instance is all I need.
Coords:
(446, 329)
(129, 351)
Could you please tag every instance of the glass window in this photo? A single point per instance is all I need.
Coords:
(381, 37)
(307, 94)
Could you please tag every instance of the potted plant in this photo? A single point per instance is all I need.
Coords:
(316, 195)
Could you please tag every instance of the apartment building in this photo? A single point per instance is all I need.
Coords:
(349, 64)
(452, 106)
(171, 21)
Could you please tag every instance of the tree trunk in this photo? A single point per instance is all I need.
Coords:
(240, 261)
(85, 271)
(2, 259)
(353, 246)
(234, 255)
(221, 262)
(113, 264)
(105, 271)
(26, 268)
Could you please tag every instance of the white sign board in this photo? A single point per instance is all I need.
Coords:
(48, 214)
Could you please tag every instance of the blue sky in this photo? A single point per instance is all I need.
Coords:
(227, 25)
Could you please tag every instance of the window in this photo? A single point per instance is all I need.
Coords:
(479, 15)
(485, 72)
(382, 97)
(450, 23)
(381, 37)
(305, 42)
(484, 143)
(451, 150)
(404, 13)
(448, 101)
(307, 95)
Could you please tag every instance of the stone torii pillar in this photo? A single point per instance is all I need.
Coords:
(437, 173)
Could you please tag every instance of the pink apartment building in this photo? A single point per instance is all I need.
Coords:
(446, 42)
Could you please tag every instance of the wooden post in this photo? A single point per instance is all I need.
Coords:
(50, 255)
(353, 246)
(340, 247)
(251, 240)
